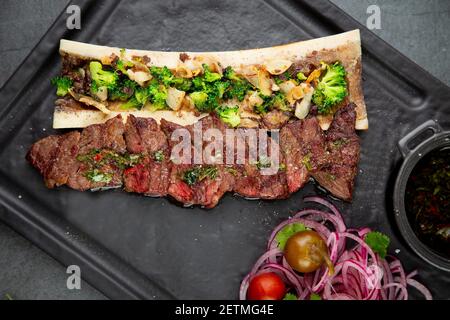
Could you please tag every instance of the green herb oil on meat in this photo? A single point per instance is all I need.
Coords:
(199, 173)
(427, 200)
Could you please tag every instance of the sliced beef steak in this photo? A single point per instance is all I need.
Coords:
(104, 136)
(65, 163)
(303, 146)
(207, 191)
(99, 137)
(257, 177)
(343, 147)
(54, 157)
(151, 176)
(143, 135)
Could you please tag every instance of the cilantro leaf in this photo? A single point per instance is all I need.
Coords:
(284, 234)
(290, 296)
(378, 242)
(315, 296)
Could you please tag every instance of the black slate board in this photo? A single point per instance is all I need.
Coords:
(129, 246)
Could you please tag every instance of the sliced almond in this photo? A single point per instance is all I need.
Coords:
(313, 76)
(183, 71)
(264, 82)
(211, 62)
(89, 101)
(287, 86)
(297, 93)
(278, 66)
(195, 66)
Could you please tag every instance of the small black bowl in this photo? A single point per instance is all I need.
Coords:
(438, 140)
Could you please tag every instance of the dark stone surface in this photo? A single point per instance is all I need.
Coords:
(416, 28)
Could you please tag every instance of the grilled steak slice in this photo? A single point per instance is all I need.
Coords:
(303, 146)
(151, 176)
(143, 135)
(99, 140)
(251, 181)
(343, 147)
(104, 136)
(207, 190)
(54, 157)
(65, 163)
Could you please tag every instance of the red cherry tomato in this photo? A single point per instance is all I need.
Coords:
(266, 286)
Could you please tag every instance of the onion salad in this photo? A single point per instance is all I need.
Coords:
(362, 270)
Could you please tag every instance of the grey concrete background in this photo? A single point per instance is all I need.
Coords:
(417, 28)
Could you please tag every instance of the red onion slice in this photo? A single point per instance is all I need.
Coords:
(360, 273)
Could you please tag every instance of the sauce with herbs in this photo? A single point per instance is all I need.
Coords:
(427, 200)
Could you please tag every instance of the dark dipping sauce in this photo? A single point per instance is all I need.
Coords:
(427, 200)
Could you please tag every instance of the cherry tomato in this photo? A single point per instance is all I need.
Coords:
(266, 286)
(306, 251)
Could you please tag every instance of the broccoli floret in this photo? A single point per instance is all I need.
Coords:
(63, 84)
(238, 90)
(122, 65)
(331, 89)
(102, 78)
(131, 104)
(200, 99)
(155, 93)
(230, 115)
(209, 76)
(208, 90)
(220, 88)
(182, 84)
(158, 95)
(230, 74)
(162, 74)
(238, 87)
(138, 100)
(277, 100)
(123, 91)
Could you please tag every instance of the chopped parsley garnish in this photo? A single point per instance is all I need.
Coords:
(263, 162)
(378, 242)
(232, 170)
(96, 175)
(340, 142)
(159, 156)
(98, 158)
(284, 234)
(307, 162)
(199, 173)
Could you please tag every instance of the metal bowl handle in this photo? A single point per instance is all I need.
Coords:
(429, 125)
